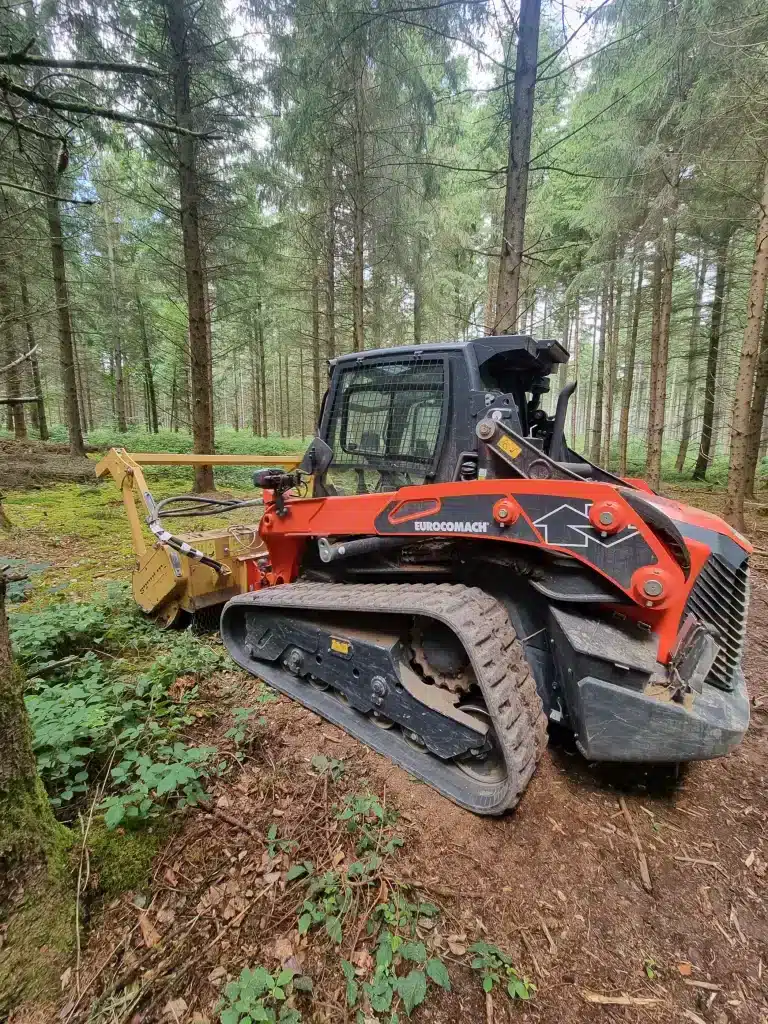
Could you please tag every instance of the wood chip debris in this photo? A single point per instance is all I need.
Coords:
(710, 985)
(621, 1000)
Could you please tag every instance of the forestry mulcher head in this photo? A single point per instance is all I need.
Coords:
(459, 576)
(181, 578)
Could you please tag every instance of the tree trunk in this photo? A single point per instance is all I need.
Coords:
(287, 396)
(10, 353)
(330, 264)
(658, 275)
(358, 219)
(27, 826)
(492, 277)
(590, 382)
(629, 369)
(757, 412)
(149, 378)
(597, 422)
(189, 199)
(612, 345)
(61, 293)
(42, 422)
(738, 469)
(418, 307)
(521, 123)
(262, 371)
(254, 382)
(693, 358)
(316, 395)
(710, 387)
(576, 353)
(116, 327)
(659, 395)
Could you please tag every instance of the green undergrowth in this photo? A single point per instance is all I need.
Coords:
(382, 939)
(105, 720)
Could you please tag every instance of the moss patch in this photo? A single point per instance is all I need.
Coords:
(122, 859)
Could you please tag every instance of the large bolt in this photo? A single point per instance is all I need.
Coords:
(486, 429)
(503, 513)
(653, 588)
(606, 518)
(379, 686)
(295, 661)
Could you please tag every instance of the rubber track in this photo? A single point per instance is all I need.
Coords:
(481, 623)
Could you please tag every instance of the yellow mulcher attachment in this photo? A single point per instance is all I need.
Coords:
(176, 577)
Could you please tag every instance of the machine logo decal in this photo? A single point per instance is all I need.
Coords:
(441, 526)
(567, 534)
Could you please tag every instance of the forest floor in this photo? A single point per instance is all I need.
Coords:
(556, 884)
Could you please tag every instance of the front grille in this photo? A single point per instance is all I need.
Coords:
(719, 600)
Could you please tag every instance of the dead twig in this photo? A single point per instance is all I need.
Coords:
(622, 1000)
(645, 874)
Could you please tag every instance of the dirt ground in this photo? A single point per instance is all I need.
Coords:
(557, 883)
(36, 463)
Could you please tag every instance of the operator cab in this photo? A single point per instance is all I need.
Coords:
(401, 416)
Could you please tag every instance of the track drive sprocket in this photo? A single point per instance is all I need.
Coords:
(438, 655)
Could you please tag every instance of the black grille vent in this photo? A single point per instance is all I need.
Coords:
(719, 600)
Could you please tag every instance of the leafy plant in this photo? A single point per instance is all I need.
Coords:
(275, 845)
(175, 770)
(247, 720)
(395, 954)
(330, 766)
(328, 898)
(258, 995)
(496, 967)
(370, 821)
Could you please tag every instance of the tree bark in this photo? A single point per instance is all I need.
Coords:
(715, 325)
(64, 319)
(42, 422)
(521, 123)
(629, 369)
(693, 354)
(189, 198)
(597, 422)
(757, 412)
(738, 468)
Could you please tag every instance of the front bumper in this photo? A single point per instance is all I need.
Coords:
(614, 723)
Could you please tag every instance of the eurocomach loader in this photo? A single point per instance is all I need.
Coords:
(442, 575)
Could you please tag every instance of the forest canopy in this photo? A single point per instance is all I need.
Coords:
(201, 203)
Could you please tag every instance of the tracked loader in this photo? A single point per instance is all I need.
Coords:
(443, 576)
